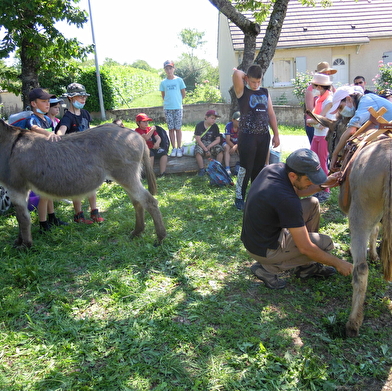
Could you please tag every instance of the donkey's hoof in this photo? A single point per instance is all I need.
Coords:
(20, 245)
(351, 330)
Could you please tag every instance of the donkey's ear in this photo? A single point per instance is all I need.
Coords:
(320, 119)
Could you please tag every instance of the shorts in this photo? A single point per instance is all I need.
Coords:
(174, 118)
(215, 150)
(157, 152)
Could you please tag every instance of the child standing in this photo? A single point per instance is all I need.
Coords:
(40, 123)
(153, 141)
(231, 139)
(173, 92)
(207, 138)
(257, 114)
(77, 119)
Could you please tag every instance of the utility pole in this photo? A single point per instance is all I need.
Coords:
(100, 96)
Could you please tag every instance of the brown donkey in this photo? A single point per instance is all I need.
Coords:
(74, 167)
(366, 198)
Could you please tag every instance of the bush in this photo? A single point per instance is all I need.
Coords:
(204, 93)
(301, 83)
(383, 80)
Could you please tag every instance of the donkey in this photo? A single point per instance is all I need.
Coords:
(366, 197)
(74, 167)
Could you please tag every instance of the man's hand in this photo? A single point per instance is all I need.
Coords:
(344, 268)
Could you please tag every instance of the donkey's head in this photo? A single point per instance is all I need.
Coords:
(335, 128)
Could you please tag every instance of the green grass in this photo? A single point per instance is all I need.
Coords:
(148, 100)
(88, 309)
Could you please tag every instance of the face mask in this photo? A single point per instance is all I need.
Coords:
(40, 111)
(348, 112)
(77, 104)
(315, 92)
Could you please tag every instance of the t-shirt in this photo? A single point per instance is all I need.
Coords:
(254, 111)
(150, 142)
(44, 123)
(229, 131)
(75, 123)
(272, 204)
(172, 89)
(211, 135)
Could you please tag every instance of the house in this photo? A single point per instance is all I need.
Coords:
(352, 36)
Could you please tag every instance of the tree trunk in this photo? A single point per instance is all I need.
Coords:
(29, 75)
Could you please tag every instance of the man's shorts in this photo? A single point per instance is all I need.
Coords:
(174, 118)
(157, 152)
(214, 150)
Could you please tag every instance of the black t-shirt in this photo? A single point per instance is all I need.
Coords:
(75, 123)
(272, 204)
(211, 135)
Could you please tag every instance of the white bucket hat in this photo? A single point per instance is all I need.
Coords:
(321, 80)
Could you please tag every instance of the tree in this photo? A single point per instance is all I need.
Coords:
(276, 9)
(31, 34)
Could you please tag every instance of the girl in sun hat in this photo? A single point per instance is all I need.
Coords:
(310, 95)
(323, 104)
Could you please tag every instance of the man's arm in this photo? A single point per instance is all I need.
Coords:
(307, 247)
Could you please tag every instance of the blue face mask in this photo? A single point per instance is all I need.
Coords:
(348, 112)
(77, 104)
(40, 111)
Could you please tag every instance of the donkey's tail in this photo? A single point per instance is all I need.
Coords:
(386, 246)
(149, 171)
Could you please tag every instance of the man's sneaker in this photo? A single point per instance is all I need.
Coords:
(96, 217)
(201, 172)
(228, 170)
(179, 152)
(79, 218)
(173, 152)
(315, 270)
(270, 280)
(239, 203)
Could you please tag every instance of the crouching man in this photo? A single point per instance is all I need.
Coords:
(280, 229)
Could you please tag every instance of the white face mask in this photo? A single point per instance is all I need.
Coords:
(315, 92)
(347, 112)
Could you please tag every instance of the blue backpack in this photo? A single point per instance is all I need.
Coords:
(218, 175)
(20, 119)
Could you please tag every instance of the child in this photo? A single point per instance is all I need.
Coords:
(257, 114)
(231, 138)
(207, 138)
(173, 92)
(40, 123)
(153, 141)
(77, 119)
(54, 110)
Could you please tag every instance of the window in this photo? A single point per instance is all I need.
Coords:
(338, 61)
(283, 72)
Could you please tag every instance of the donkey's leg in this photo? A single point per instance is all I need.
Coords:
(373, 256)
(362, 223)
(24, 237)
(143, 200)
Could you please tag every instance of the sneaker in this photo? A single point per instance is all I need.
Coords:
(173, 152)
(239, 203)
(44, 226)
(201, 172)
(270, 280)
(56, 221)
(79, 218)
(162, 175)
(179, 152)
(228, 170)
(315, 270)
(96, 217)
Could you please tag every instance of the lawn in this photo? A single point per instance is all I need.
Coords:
(89, 309)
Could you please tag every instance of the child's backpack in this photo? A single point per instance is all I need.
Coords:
(20, 119)
(165, 142)
(218, 175)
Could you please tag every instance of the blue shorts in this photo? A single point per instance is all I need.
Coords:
(174, 119)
